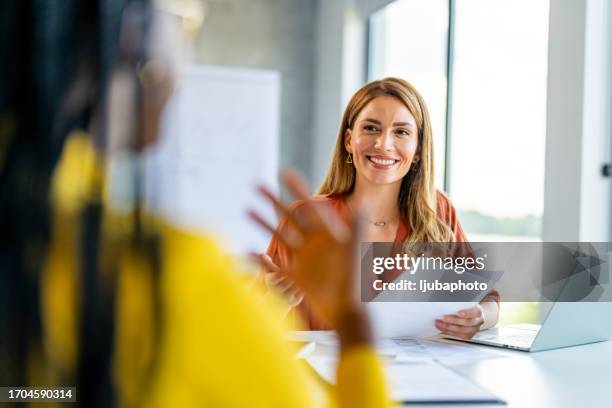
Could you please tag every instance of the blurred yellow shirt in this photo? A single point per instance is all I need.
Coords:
(221, 343)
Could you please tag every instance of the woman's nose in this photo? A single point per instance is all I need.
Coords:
(384, 141)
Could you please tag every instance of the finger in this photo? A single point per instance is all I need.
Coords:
(321, 215)
(297, 186)
(295, 298)
(284, 289)
(470, 313)
(279, 284)
(282, 208)
(273, 279)
(286, 241)
(463, 336)
(454, 319)
(453, 328)
(274, 274)
(268, 263)
(286, 284)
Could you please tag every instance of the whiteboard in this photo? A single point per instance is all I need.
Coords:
(220, 138)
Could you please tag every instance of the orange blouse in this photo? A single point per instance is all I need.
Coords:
(279, 254)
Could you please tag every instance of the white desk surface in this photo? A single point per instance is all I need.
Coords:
(579, 376)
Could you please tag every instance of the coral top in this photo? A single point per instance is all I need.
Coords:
(279, 254)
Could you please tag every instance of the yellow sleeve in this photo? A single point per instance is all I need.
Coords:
(222, 346)
(360, 379)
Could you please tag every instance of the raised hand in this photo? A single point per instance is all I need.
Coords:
(324, 262)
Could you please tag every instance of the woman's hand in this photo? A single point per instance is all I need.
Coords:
(324, 263)
(465, 324)
(276, 281)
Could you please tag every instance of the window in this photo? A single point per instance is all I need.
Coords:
(499, 118)
(408, 39)
(481, 66)
(495, 111)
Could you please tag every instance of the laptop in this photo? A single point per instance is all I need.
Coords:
(567, 324)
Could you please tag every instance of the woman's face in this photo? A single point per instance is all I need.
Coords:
(383, 141)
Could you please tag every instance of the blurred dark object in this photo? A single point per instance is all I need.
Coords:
(57, 59)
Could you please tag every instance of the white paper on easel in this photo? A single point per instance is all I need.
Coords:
(220, 138)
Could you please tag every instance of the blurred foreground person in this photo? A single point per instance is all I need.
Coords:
(130, 310)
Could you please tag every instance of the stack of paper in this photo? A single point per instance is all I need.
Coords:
(417, 369)
(420, 380)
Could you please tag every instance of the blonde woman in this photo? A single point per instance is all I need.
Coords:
(383, 159)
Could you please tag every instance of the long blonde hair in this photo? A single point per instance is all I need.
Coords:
(417, 200)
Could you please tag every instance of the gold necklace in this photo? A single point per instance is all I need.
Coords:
(376, 223)
(379, 223)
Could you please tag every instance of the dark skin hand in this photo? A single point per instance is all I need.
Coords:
(323, 242)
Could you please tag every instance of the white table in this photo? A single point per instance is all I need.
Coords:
(579, 376)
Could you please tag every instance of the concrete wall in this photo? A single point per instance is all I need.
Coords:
(270, 34)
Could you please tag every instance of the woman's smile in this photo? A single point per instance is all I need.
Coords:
(382, 162)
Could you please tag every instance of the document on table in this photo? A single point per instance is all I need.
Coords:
(410, 319)
(421, 380)
(442, 351)
(407, 348)
(320, 337)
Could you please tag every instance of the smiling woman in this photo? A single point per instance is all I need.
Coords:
(383, 164)
(389, 120)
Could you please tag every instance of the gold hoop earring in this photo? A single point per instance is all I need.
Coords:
(349, 158)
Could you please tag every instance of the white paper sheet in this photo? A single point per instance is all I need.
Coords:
(446, 353)
(220, 139)
(385, 348)
(321, 337)
(410, 319)
(403, 319)
(420, 380)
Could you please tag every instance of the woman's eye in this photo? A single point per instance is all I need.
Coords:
(402, 132)
(370, 128)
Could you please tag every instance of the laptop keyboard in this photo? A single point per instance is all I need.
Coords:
(521, 340)
(516, 339)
